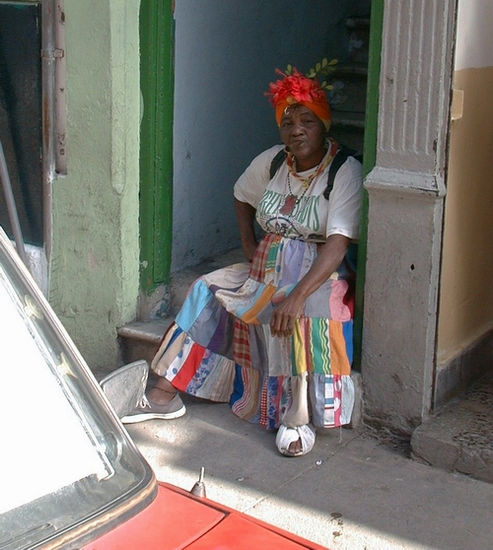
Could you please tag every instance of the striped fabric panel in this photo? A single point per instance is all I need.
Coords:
(306, 327)
(332, 404)
(320, 348)
(263, 404)
(265, 257)
(241, 344)
(274, 396)
(244, 400)
(302, 356)
(272, 258)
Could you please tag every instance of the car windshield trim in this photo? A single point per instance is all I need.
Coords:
(71, 471)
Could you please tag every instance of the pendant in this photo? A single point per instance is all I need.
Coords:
(288, 206)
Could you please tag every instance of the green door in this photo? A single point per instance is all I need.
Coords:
(156, 141)
(369, 159)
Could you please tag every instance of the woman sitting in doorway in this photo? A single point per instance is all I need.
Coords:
(273, 337)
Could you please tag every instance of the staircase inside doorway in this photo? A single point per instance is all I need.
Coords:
(348, 99)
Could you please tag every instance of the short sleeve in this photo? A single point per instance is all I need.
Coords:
(251, 185)
(345, 201)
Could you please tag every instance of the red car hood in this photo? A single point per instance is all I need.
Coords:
(176, 520)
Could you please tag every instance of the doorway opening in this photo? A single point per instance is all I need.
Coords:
(225, 57)
(211, 117)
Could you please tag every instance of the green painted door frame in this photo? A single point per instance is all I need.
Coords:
(369, 159)
(156, 141)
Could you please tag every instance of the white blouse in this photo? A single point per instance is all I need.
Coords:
(308, 215)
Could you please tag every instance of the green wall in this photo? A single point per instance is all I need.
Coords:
(93, 269)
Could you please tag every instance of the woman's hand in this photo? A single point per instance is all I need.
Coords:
(329, 257)
(285, 314)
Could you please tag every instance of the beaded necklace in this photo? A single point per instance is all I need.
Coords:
(292, 200)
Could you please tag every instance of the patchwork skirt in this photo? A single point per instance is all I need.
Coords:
(220, 347)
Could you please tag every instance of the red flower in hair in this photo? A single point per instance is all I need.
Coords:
(296, 87)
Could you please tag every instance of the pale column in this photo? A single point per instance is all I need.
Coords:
(406, 193)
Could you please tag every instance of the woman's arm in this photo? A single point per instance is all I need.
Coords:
(245, 215)
(330, 256)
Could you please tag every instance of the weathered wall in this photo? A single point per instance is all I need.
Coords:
(466, 292)
(226, 54)
(94, 262)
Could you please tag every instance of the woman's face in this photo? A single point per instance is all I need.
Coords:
(304, 134)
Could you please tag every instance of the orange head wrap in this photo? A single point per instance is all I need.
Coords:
(298, 89)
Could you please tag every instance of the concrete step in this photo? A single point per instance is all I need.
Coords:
(460, 437)
(140, 339)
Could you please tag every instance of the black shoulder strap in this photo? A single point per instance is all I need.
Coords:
(276, 163)
(341, 156)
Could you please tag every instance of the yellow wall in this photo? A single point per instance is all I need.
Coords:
(466, 292)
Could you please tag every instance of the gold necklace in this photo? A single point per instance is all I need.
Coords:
(292, 200)
(326, 159)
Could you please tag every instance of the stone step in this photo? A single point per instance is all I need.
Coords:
(459, 437)
(349, 93)
(140, 339)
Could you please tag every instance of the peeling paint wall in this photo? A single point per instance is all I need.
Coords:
(466, 294)
(94, 262)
